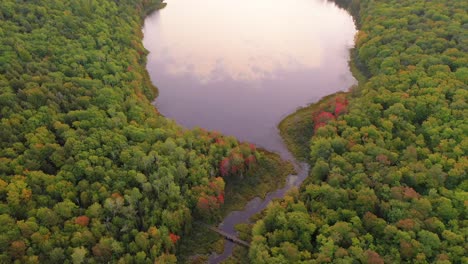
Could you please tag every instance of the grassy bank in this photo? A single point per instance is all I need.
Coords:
(297, 128)
(268, 176)
(356, 68)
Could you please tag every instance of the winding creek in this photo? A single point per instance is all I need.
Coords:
(241, 68)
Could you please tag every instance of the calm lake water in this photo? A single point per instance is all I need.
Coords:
(240, 67)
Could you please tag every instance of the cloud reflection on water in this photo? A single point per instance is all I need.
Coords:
(244, 41)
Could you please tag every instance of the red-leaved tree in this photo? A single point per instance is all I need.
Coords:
(82, 220)
(174, 238)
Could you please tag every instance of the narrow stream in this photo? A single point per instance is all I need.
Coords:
(241, 68)
(255, 206)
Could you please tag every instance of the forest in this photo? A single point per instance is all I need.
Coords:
(388, 180)
(90, 172)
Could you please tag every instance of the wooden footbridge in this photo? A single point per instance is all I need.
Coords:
(228, 236)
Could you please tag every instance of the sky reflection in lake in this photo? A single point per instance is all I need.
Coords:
(238, 67)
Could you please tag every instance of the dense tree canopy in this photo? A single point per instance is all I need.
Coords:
(388, 180)
(89, 171)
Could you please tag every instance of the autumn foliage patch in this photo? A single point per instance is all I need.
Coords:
(239, 160)
(174, 238)
(332, 111)
(82, 220)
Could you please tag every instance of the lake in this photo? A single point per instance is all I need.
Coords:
(240, 68)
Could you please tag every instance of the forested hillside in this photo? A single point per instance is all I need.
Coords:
(388, 182)
(89, 171)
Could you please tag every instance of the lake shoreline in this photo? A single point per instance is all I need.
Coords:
(253, 199)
